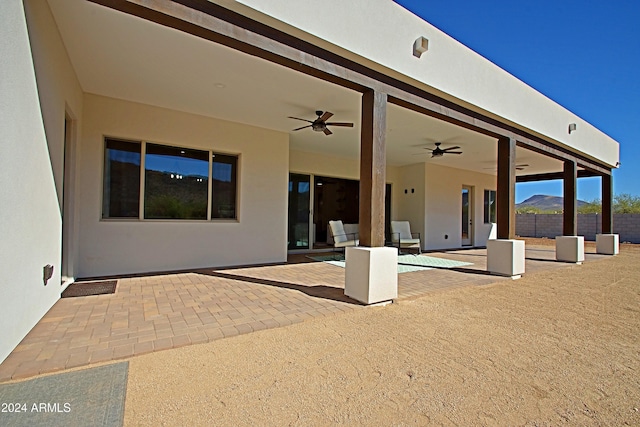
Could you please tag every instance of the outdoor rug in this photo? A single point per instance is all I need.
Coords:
(88, 397)
(430, 261)
(406, 263)
(85, 289)
(338, 260)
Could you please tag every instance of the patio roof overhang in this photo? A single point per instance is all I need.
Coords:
(259, 75)
(246, 76)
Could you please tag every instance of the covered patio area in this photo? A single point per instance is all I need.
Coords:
(157, 312)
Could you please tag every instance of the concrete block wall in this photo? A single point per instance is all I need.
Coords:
(538, 225)
(629, 226)
(589, 225)
(550, 226)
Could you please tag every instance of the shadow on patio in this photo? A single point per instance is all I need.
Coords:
(157, 312)
(317, 291)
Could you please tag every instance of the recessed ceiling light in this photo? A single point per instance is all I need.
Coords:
(220, 85)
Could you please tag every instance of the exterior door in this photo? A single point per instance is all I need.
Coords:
(467, 216)
(66, 207)
(299, 211)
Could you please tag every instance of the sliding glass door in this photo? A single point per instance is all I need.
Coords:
(333, 199)
(299, 199)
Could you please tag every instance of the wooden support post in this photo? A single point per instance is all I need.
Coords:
(372, 168)
(607, 204)
(505, 197)
(570, 196)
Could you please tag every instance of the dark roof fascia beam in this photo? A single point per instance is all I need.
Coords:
(554, 175)
(562, 154)
(490, 127)
(213, 22)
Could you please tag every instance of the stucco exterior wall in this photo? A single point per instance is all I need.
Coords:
(411, 194)
(443, 206)
(32, 108)
(133, 246)
(448, 69)
(60, 97)
(323, 165)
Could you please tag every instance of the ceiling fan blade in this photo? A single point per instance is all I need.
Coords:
(325, 116)
(343, 124)
(304, 120)
(302, 128)
(327, 131)
(450, 148)
(453, 152)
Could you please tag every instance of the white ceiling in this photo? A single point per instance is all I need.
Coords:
(125, 57)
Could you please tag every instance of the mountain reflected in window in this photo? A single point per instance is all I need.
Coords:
(121, 187)
(223, 190)
(179, 183)
(176, 183)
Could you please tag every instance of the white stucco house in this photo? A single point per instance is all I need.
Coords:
(142, 136)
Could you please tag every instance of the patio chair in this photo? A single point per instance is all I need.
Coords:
(402, 236)
(341, 239)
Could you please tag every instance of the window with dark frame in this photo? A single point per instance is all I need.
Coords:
(121, 187)
(489, 206)
(176, 185)
(223, 190)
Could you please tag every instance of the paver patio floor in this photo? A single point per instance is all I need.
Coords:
(158, 312)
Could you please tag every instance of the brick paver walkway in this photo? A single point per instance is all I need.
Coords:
(154, 313)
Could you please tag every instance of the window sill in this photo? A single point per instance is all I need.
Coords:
(173, 221)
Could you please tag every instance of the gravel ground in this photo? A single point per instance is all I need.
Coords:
(554, 348)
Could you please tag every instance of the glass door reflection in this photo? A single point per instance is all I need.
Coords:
(467, 215)
(299, 199)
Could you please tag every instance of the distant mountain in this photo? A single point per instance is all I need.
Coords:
(546, 203)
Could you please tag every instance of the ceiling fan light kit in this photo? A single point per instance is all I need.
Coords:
(320, 124)
(439, 152)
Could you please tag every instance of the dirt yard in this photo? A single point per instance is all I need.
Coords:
(554, 348)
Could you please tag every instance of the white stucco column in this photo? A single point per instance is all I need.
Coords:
(371, 274)
(505, 257)
(608, 244)
(570, 249)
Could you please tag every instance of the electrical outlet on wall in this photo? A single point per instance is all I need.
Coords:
(47, 273)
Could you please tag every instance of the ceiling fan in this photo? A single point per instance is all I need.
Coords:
(439, 152)
(320, 124)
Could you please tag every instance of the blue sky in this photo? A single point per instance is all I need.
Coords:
(583, 54)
